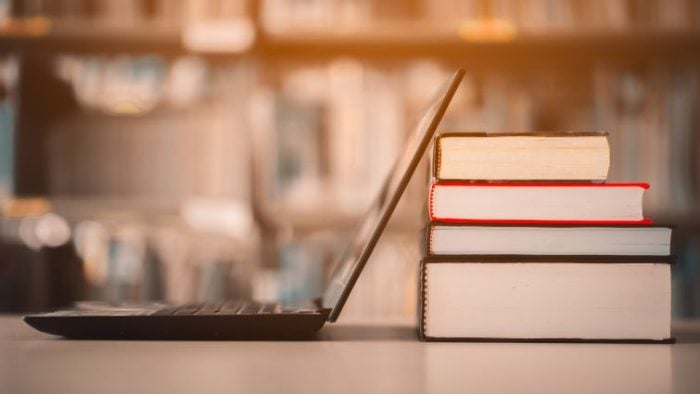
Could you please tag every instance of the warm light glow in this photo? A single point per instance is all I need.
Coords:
(229, 36)
(36, 26)
(52, 230)
(487, 30)
(128, 108)
(25, 207)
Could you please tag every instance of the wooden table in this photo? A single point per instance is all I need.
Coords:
(348, 358)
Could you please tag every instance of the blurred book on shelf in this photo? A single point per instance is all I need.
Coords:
(8, 81)
(328, 135)
(388, 286)
(134, 109)
(651, 115)
(494, 18)
(233, 21)
(122, 13)
(207, 253)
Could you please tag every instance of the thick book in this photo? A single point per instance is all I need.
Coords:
(514, 202)
(546, 298)
(522, 156)
(484, 239)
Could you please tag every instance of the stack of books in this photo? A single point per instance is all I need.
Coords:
(528, 242)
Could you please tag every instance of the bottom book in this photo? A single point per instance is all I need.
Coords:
(546, 298)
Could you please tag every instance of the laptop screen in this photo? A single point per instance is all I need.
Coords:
(351, 261)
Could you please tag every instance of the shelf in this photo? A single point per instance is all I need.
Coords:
(128, 208)
(44, 37)
(564, 47)
(386, 42)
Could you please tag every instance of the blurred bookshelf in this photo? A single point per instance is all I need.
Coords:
(579, 50)
(44, 36)
(165, 27)
(292, 111)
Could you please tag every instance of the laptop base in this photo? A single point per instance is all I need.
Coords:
(220, 326)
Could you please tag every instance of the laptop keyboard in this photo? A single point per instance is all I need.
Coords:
(227, 308)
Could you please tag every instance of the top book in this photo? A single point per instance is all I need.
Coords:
(522, 156)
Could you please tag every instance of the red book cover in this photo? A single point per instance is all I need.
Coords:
(528, 189)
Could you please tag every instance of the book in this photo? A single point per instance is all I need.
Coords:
(458, 239)
(522, 157)
(567, 203)
(546, 298)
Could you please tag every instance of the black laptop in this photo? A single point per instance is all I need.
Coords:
(240, 319)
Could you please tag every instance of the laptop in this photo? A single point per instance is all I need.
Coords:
(243, 319)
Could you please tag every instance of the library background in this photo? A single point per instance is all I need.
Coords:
(188, 150)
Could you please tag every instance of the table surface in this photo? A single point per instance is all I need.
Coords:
(347, 358)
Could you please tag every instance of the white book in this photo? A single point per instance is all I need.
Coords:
(562, 298)
(522, 157)
(447, 239)
(612, 203)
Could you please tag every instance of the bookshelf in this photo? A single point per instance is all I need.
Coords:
(29, 37)
(562, 72)
(583, 48)
(381, 43)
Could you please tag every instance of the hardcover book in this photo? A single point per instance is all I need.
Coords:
(485, 239)
(522, 156)
(568, 203)
(546, 298)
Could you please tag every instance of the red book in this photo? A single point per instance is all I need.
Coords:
(537, 203)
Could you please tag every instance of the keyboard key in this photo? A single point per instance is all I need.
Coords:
(249, 309)
(270, 308)
(209, 309)
(298, 310)
(186, 310)
(169, 310)
(231, 307)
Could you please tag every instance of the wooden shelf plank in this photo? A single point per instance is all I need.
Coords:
(564, 47)
(386, 42)
(95, 38)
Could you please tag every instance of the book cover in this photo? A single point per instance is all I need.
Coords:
(446, 238)
(546, 299)
(537, 203)
(522, 157)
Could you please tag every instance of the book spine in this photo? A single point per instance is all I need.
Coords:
(431, 202)
(429, 235)
(437, 157)
(423, 301)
